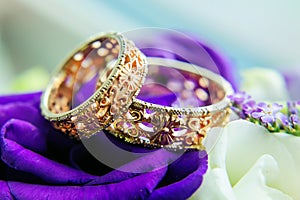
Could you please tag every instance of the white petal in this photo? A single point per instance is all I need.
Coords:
(264, 84)
(215, 144)
(253, 185)
(250, 158)
(215, 186)
(247, 142)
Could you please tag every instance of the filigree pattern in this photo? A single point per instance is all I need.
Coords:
(161, 129)
(113, 99)
(178, 128)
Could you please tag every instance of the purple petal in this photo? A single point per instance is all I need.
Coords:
(268, 119)
(239, 97)
(283, 118)
(294, 119)
(23, 111)
(292, 107)
(138, 187)
(276, 107)
(165, 100)
(151, 162)
(257, 115)
(31, 98)
(14, 127)
(177, 190)
(85, 91)
(249, 107)
(18, 157)
(5, 191)
(263, 106)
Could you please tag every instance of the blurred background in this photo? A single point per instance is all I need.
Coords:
(35, 36)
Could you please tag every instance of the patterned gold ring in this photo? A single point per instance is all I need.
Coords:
(153, 125)
(125, 76)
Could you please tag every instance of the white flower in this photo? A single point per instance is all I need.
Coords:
(248, 162)
(264, 84)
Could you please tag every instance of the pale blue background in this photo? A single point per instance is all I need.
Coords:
(253, 33)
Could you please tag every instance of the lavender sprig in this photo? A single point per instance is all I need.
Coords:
(270, 116)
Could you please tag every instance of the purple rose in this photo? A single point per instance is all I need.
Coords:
(38, 162)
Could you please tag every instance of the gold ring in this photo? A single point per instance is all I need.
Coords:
(155, 126)
(113, 96)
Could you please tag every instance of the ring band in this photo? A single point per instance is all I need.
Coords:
(114, 96)
(156, 126)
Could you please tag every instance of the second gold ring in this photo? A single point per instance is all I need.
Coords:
(180, 126)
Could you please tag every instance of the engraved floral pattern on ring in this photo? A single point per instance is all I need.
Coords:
(123, 67)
